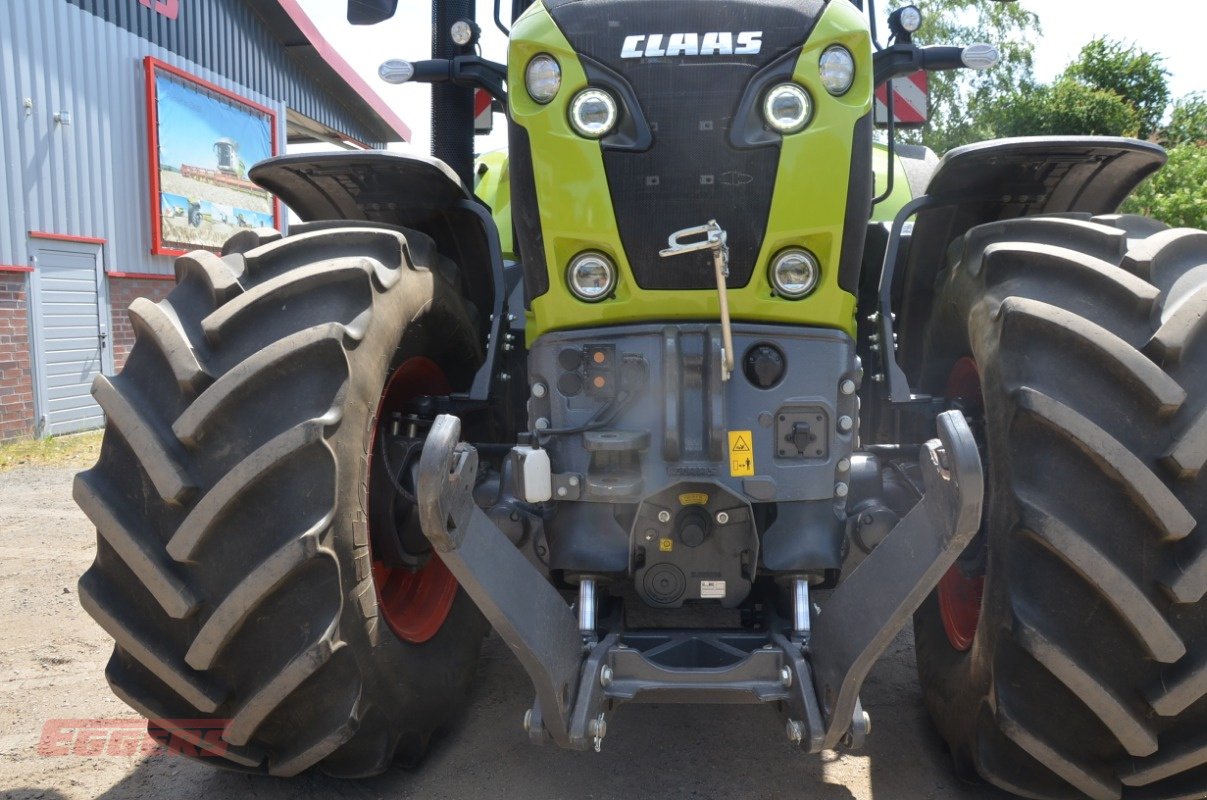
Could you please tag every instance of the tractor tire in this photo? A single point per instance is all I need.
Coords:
(233, 566)
(1065, 655)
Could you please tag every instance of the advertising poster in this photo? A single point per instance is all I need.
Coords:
(204, 140)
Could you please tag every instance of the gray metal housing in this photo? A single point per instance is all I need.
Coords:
(676, 429)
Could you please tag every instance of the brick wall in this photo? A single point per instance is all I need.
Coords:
(122, 292)
(16, 374)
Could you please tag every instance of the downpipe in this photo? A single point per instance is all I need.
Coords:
(811, 667)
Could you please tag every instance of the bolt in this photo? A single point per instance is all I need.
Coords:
(722, 518)
(562, 491)
(845, 424)
(786, 677)
(795, 731)
(504, 377)
(605, 677)
(844, 465)
(841, 489)
(539, 390)
(664, 517)
(542, 424)
(866, 519)
(847, 387)
(510, 317)
(878, 378)
(573, 480)
(528, 721)
(867, 724)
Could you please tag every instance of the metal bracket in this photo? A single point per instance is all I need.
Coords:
(871, 606)
(716, 240)
(885, 342)
(521, 605)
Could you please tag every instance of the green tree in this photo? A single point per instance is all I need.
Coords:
(957, 97)
(1188, 123)
(1134, 74)
(1176, 194)
(1065, 108)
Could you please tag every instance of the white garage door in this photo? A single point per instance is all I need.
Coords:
(72, 341)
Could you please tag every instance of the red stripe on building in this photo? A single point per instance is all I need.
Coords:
(66, 237)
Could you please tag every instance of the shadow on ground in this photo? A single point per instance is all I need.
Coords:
(651, 751)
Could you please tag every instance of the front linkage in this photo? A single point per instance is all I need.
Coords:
(811, 669)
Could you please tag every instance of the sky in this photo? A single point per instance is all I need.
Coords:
(1163, 26)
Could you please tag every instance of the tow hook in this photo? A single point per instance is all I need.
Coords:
(716, 240)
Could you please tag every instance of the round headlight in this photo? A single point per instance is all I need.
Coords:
(462, 33)
(543, 78)
(591, 277)
(837, 67)
(593, 113)
(787, 108)
(794, 273)
(911, 19)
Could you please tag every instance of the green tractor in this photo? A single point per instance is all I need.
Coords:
(685, 404)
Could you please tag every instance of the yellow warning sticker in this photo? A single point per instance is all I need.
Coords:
(666, 545)
(741, 454)
(693, 499)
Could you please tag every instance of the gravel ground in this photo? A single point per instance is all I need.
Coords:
(51, 667)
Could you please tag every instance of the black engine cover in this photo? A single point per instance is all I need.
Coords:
(691, 173)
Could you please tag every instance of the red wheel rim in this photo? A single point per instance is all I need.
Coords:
(414, 603)
(960, 596)
(960, 607)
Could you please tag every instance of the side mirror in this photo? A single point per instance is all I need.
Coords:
(370, 12)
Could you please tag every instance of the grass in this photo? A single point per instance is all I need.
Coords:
(78, 450)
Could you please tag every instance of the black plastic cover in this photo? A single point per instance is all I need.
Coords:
(1011, 178)
(398, 189)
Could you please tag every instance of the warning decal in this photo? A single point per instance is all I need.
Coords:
(741, 454)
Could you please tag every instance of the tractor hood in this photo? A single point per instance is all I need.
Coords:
(687, 62)
(690, 143)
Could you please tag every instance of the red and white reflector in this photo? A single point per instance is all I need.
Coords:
(484, 115)
(911, 100)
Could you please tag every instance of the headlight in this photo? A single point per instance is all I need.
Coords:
(591, 277)
(911, 19)
(837, 67)
(464, 32)
(794, 273)
(543, 78)
(593, 113)
(787, 108)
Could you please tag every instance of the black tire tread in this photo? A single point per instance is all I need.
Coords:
(1090, 340)
(191, 597)
(157, 323)
(166, 471)
(1125, 469)
(140, 553)
(1123, 594)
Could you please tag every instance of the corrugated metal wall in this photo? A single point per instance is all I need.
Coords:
(229, 37)
(88, 178)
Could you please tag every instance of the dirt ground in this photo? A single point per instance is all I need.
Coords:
(52, 661)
